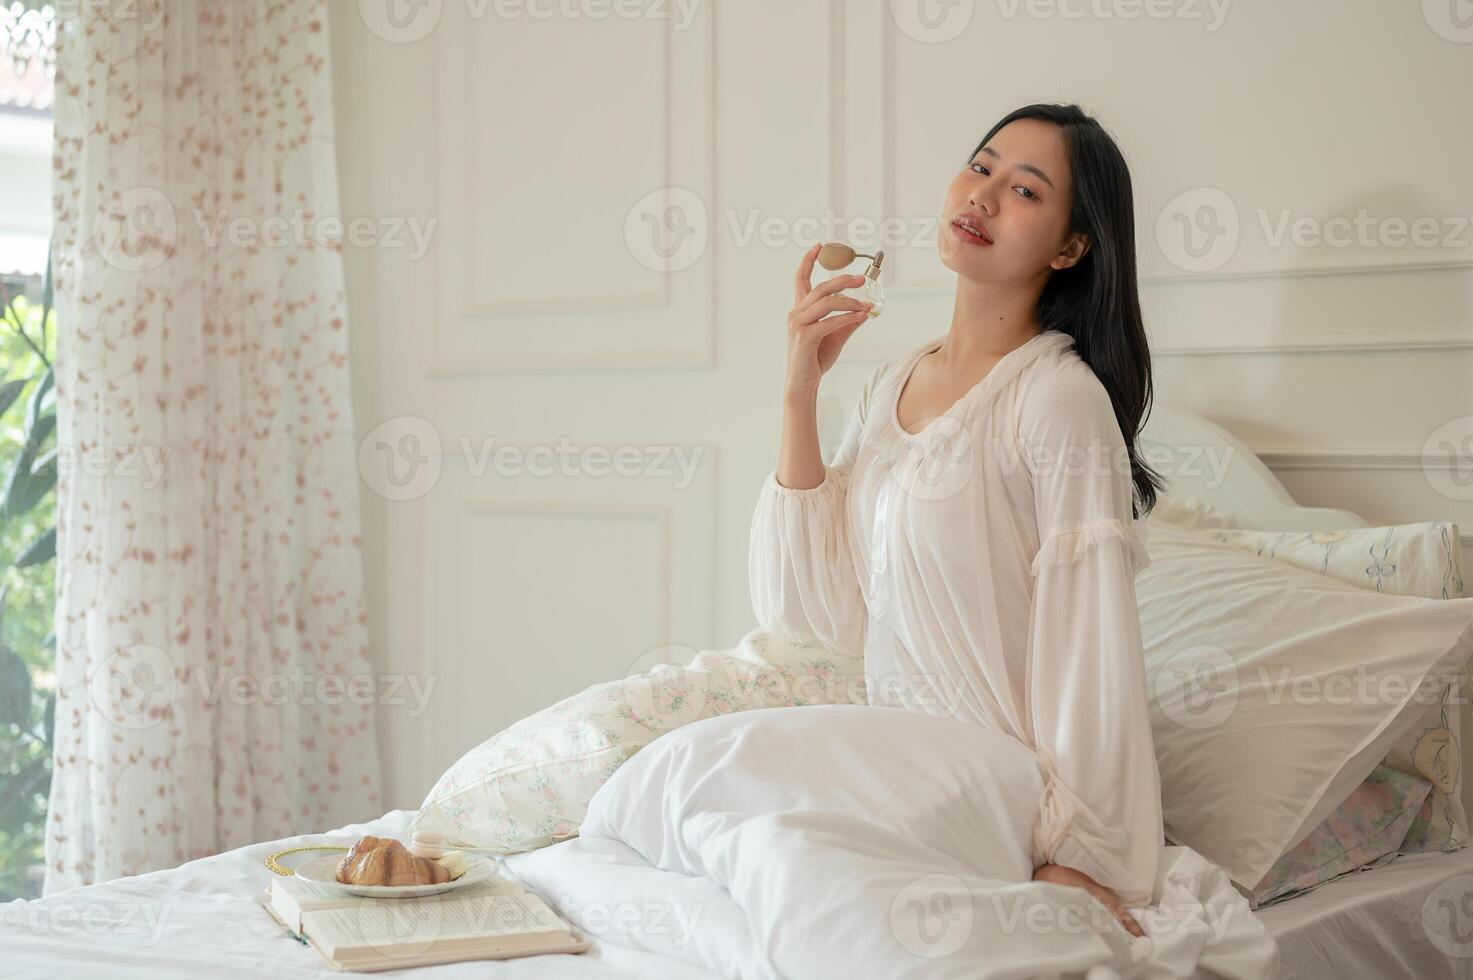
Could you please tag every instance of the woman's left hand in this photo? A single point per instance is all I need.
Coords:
(1060, 875)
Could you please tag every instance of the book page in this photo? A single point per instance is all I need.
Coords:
(388, 926)
(307, 892)
(290, 897)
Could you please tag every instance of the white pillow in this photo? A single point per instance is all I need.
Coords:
(1424, 559)
(1256, 670)
(528, 785)
(1189, 512)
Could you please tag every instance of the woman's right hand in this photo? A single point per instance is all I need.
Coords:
(814, 337)
(1108, 897)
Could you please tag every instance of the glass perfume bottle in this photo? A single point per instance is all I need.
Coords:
(836, 255)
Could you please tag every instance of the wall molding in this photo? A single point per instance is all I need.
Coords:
(1341, 341)
(924, 286)
(1383, 459)
(1309, 271)
(709, 470)
(541, 314)
(1301, 458)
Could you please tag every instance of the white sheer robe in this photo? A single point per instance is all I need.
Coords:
(985, 568)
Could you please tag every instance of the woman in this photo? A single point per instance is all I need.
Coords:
(974, 535)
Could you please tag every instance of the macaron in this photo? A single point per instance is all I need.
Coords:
(427, 844)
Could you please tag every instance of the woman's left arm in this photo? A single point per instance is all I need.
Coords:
(1086, 681)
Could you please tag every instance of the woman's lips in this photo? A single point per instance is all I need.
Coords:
(963, 234)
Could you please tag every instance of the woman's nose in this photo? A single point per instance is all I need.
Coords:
(982, 198)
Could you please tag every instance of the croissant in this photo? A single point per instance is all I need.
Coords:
(385, 861)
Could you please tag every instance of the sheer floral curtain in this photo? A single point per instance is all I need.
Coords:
(212, 678)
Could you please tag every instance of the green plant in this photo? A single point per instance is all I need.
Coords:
(28, 458)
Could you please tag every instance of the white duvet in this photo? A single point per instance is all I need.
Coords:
(855, 841)
(844, 841)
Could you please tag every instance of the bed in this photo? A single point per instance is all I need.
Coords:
(204, 919)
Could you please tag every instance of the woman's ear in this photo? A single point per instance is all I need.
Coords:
(1074, 249)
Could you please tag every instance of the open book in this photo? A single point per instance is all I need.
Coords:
(493, 919)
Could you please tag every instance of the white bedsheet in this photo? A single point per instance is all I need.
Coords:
(203, 920)
(1410, 918)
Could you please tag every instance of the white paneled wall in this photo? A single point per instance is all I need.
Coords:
(614, 206)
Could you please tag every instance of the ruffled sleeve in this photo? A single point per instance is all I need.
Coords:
(1086, 687)
(800, 562)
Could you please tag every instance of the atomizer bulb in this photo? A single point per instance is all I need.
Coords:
(837, 255)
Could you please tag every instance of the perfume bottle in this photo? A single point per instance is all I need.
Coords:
(837, 255)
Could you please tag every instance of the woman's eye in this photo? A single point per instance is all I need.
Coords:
(1027, 192)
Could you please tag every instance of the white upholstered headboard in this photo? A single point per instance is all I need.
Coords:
(1202, 460)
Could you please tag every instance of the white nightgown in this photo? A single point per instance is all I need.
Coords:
(985, 569)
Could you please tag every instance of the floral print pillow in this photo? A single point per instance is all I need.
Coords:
(1366, 831)
(529, 785)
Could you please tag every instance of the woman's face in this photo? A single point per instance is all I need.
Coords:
(1016, 188)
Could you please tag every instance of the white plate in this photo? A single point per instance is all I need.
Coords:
(324, 871)
(294, 857)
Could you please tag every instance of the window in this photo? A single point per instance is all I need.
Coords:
(27, 438)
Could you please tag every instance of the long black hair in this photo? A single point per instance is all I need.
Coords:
(1095, 301)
